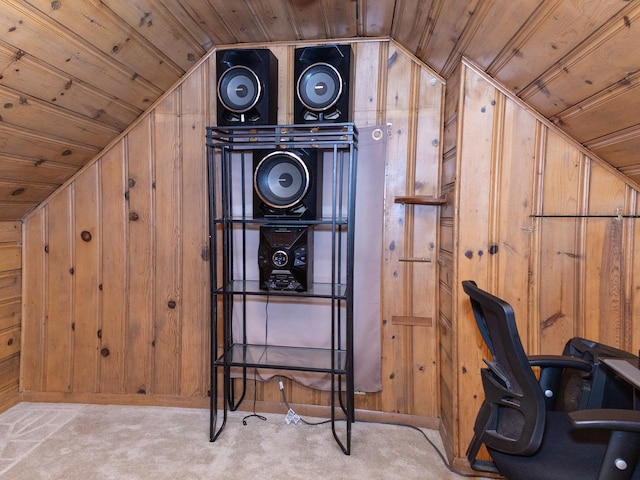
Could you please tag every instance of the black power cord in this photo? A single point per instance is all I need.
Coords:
(433, 445)
(255, 371)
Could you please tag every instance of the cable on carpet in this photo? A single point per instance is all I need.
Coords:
(433, 445)
(255, 371)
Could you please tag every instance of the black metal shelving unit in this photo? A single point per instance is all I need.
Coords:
(229, 155)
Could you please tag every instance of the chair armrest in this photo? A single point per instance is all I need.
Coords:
(609, 419)
(560, 361)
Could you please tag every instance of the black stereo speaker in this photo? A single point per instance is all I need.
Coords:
(247, 87)
(287, 183)
(323, 84)
(285, 257)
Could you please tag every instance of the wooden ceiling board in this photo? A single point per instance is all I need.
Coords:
(75, 74)
(97, 24)
(239, 19)
(620, 148)
(450, 18)
(28, 30)
(16, 141)
(610, 110)
(27, 74)
(553, 30)
(275, 20)
(23, 191)
(413, 16)
(602, 60)
(192, 25)
(309, 17)
(499, 23)
(14, 167)
(376, 18)
(467, 37)
(15, 210)
(151, 20)
(342, 18)
(28, 112)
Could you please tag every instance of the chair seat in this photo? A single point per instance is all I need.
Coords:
(565, 452)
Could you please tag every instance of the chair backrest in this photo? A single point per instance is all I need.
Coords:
(513, 396)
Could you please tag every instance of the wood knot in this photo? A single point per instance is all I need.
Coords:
(131, 182)
(72, 271)
(104, 352)
(10, 341)
(85, 236)
(133, 216)
(171, 304)
(46, 249)
(17, 191)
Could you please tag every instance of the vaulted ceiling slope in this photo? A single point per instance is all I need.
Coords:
(75, 73)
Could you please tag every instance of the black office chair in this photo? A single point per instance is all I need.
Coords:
(525, 439)
(561, 391)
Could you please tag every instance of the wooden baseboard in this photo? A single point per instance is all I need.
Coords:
(9, 401)
(117, 399)
(203, 402)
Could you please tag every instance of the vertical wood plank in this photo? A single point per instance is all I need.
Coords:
(140, 259)
(34, 303)
(59, 320)
(86, 271)
(365, 91)
(560, 256)
(114, 281)
(512, 244)
(168, 246)
(476, 156)
(284, 54)
(604, 264)
(423, 281)
(395, 339)
(194, 349)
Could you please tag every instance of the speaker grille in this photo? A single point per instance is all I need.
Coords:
(281, 179)
(323, 87)
(246, 87)
(319, 87)
(287, 183)
(239, 89)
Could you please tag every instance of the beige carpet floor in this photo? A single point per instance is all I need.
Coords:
(96, 442)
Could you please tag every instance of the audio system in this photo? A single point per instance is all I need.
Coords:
(287, 183)
(322, 84)
(247, 87)
(285, 257)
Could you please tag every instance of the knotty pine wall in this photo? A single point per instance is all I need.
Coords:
(564, 277)
(116, 262)
(10, 311)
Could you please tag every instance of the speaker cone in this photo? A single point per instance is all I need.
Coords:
(319, 87)
(281, 179)
(239, 89)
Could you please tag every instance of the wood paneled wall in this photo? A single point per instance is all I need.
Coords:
(10, 311)
(503, 166)
(117, 260)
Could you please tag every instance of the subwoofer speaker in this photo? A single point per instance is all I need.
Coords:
(285, 257)
(287, 183)
(247, 87)
(323, 84)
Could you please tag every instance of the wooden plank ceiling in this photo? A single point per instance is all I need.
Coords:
(76, 73)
